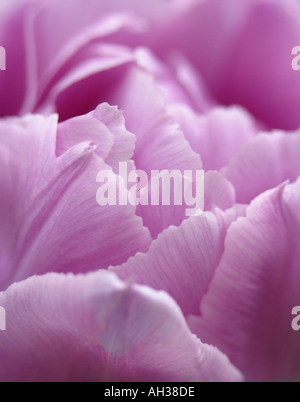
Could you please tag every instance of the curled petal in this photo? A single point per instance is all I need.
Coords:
(50, 219)
(96, 328)
(217, 135)
(247, 310)
(182, 260)
(104, 127)
(264, 163)
(243, 51)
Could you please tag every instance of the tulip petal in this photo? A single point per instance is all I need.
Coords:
(217, 191)
(13, 79)
(160, 144)
(216, 136)
(247, 310)
(105, 127)
(56, 47)
(88, 81)
(96, 328)
(264, 163)
(183, 259)
(50, 219)
(243, 52)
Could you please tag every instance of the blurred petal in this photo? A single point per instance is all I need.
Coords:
(172, 80)
(98, 68)
(243, 51)
(218, 192)
(50, 219)
(247, 310)
(183, 259)
(96, 328)
(264, 163)
(160, 144)
(216, 136)
(55, 48)
(117, 21)
(13, 80)
(192, 81)
(42, 48)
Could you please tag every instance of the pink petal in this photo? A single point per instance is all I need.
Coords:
(55, 47)
(243, 51)
(192, 81)
(46, 54)
(171, 80)
(264, 163)
(183, 259)
(92, 76)
(88, 81)
(145, 112)
(110, 72)
(160, 144)
(50, 219)
(218, 192)
(216, 136)
(13, 79)
(96, 328)
(247, 310)
(82, 128)
(105, 127)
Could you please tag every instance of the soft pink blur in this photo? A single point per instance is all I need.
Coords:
(138, 294)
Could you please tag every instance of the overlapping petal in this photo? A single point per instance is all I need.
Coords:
(96, 328)
(105, 127)
(88, 81)
(50, 219)
(265, 162)
(217, 135)
(160, 144)
(182, 261)
(247, 310)
(243, 51)
(13, 79)
(214, 191)
(42, 48)
(233, 273)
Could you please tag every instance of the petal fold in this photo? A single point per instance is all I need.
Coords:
(247, 309)
(96, 328)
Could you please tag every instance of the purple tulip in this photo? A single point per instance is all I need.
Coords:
(121, 292)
